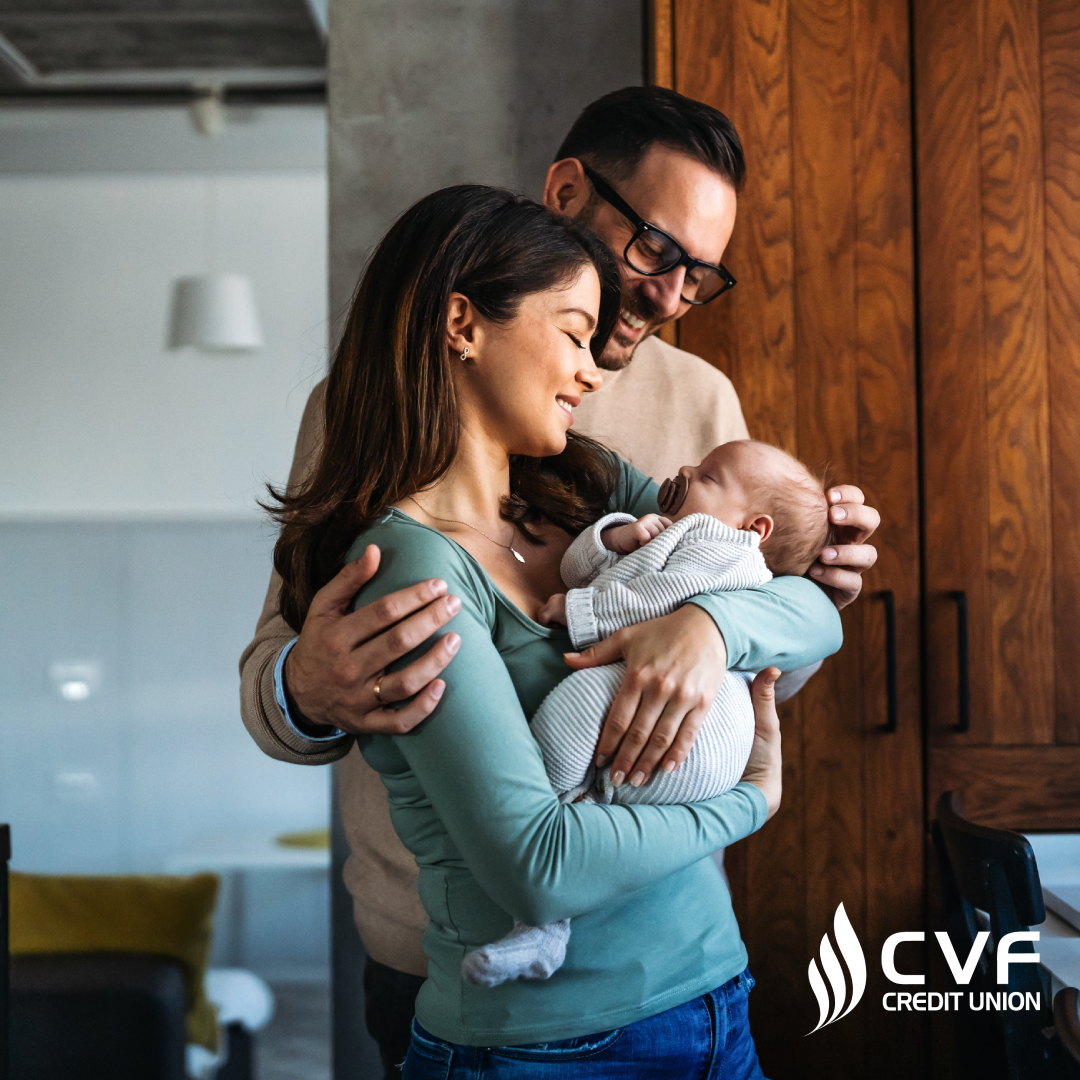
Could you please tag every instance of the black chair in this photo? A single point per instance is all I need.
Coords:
(1067, 1025)
(994, 871)
(99, 1015)
(96, 1016)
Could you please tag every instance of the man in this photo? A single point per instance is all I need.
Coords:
(655, 175)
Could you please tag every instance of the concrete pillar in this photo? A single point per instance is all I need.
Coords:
(425, 93)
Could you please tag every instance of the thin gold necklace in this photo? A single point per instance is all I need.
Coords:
(456, 521)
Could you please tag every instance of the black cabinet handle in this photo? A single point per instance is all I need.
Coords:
(892, 709)
(963, 686)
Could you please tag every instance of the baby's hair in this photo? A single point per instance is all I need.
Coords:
(800, 513)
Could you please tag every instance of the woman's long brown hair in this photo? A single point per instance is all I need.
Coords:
(392, 419)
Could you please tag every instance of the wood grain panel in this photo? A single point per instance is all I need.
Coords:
(763, 363)
(955, 497)
(660, 20)
(660, 25)
(1014, 787)
(1010, 123)
(750, 336)
(1061, 155)
(823, 166)
(888, 473)
(704, 72)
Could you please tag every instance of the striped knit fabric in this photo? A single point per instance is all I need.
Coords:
(696, 555)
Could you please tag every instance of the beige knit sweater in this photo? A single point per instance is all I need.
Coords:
(666, 409)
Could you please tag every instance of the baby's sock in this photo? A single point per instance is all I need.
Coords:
(527, 952)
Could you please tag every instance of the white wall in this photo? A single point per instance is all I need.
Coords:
(129, 538)
(97, 418)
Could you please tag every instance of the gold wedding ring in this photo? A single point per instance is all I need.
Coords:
(378, 696)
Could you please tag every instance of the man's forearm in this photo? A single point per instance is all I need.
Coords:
(262, 715)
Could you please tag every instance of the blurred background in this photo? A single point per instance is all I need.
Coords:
(182, 221)
(133, 555)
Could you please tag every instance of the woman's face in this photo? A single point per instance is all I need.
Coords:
(524, 378)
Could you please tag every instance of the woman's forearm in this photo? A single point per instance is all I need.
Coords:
(583, 856)
(787, 623)
(483, 774)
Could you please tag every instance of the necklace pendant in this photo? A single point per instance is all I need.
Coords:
(517, 555)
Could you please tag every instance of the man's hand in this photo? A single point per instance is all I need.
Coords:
(332, 671)
(765, 768)
(840, 567)
(674, 668)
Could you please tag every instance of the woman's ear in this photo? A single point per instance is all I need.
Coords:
(461, 326)
(763, 526)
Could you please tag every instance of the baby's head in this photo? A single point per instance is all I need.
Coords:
(751, 485)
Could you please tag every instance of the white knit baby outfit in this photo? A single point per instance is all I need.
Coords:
(696, 555)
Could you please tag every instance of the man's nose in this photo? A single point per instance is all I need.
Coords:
(665, 291)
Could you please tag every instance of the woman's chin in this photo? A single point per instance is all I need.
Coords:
(550, 446)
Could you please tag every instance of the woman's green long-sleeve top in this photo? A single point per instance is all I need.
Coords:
(653, 925)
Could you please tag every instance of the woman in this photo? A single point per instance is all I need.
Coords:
(448, 443)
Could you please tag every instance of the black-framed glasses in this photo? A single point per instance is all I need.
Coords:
(653, 252)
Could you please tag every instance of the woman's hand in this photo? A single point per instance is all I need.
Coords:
(331, 672)
(674, 668)
(765, 768)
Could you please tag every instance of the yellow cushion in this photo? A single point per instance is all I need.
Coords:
(306, 838)
(168, 916)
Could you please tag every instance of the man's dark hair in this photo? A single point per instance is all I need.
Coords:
(614, 132)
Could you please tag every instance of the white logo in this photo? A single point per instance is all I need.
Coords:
(851, 951)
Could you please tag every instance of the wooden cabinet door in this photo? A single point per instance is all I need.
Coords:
(998, 130)
(818, 338)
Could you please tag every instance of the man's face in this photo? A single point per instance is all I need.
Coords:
(689, 202)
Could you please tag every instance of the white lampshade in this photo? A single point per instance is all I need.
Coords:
(214, 313)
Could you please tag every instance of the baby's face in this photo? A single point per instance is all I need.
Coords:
(722, 484)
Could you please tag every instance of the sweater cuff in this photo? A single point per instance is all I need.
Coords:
(283, 702)
(581, 618)
(757, 797)
(586, 556)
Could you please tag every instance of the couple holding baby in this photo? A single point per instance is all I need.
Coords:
(448, 445)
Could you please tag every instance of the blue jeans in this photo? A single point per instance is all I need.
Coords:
(705, 1039)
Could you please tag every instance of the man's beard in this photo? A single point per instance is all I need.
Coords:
(615, 359)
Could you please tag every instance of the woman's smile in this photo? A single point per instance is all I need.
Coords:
(568, 404)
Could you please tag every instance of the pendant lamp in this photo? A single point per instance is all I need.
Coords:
(213, 312)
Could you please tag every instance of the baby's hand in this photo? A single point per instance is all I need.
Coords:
(554, 611)
(627, 538)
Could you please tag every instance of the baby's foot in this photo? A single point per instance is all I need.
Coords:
(527, 952)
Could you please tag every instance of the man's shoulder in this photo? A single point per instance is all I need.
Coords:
(657, 359)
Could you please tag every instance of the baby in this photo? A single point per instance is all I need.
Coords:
(747, 512)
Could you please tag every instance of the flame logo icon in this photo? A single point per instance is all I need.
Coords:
(851, 951)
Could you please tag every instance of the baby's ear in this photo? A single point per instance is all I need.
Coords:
(763, 526)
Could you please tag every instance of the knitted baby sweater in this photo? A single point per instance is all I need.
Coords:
(696, 555)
